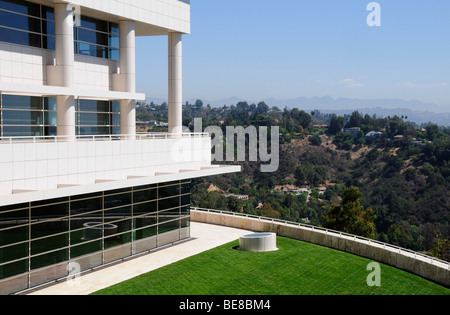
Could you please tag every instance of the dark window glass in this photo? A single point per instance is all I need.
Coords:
(23, 7)
(49, 244)
(48, 42)
(89, 131)
(48, 28)
(118, 213)
(20, 22)
(144, 233)
(115, 107)
(145, 221)
(115, 130)
(20, 37)
(14, 268)
(115, 119)
(49, 259)
(94, 24)
(23, 131)
(17, 217)
(92, 50)
(50, 118)
(93, 106)
(114, 28)
(83, 206)
(51, 211)
(50, 103)
(50, 131)
(144, 195)
(117, 240)
(114, 41)
(168, 191)
(169, 226)
(85, 249)
(12, 236)
(21, 102)
(92, 37)
(49, 228)
(48, 13)
(13, 117)
(14, 252)
(96, 119)
(146, 207)
(185, 200)
(168, 203)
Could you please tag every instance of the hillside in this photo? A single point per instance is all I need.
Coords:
(403, 175)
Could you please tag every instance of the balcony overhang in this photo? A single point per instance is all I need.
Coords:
(105, 185)
(47, 90)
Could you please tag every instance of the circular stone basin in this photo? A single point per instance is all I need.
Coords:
(258, 242)
(94, 230)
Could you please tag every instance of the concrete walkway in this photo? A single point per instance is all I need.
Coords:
(203, 238)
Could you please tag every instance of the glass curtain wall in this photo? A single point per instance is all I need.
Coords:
(97, 117)
(27, 116)
(32, 24)
(40, 234)
(97, 38)
(26, 23)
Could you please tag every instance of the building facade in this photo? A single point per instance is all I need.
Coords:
(78, 185)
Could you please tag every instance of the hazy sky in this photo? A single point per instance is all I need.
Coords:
(257, 49)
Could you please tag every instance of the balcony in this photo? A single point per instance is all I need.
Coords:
(38, 168)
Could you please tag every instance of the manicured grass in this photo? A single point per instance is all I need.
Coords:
(297, 268)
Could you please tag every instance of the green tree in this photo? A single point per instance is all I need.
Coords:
(336, 124)
(350, 216)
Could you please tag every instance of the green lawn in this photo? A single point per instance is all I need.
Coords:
(297, 268)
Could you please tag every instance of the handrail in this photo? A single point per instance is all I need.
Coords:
(95, 138)
(318, 228)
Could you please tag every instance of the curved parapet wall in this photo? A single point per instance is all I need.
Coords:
(424, 266)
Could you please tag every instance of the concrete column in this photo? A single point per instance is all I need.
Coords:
(127, 76)
(63, 69)
(65, 115)
(175, 83)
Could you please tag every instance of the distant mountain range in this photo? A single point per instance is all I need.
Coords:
(416, 111)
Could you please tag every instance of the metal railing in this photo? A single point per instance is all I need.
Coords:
(95, 138)
(398, 249)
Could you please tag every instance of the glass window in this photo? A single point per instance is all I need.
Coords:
(84, 206)
(21, 102)
(168, 203)
(50, 118)
(92, 37)
(20, 22)
(92, 50)
(49, 228)
(23, 131)
(20, 37)
(12, 236)
(49, 259)
(168, 191)
(50, 103)
(94, 24)
(48, 13)
(144, 208)
(145, 233)
(13, 117)
(49, 244)
(23, 7)
(144, 195)
(53, 209)
(94, 119)
(12, 269)
(81, 250)
(93, 106)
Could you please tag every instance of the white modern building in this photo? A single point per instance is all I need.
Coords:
(78, 185)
